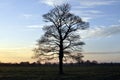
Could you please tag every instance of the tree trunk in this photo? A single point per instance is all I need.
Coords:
(61, 59)
(60, 65)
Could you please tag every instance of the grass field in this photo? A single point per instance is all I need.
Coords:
(51, 73)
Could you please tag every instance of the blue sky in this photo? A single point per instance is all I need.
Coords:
(21, 22)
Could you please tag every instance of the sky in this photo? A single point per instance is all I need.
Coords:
(21, 25)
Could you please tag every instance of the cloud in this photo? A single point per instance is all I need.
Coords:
(34, 26)
(87, 8)
(86, 12)
(27, 15)
(78, 5)
(93, 11)
(87, 19)
(82, 3)
(53, 2)
(87, 15)
(93, 3)
(100, 32)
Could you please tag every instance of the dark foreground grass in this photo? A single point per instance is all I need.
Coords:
(51, 73)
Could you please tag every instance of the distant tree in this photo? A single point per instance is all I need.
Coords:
(88, 62)
(24, 63)
(94, 62)
(60, 39)
(78, 58)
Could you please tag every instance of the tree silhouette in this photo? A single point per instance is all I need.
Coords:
(60, 39)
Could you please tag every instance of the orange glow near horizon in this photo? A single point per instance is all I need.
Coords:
(16, 55)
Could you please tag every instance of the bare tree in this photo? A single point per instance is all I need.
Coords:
(60, 39)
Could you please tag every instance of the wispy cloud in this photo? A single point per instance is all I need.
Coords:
(78, 6)
(27, 16)
(87, 19)
(83, 3)
(100, 32)
(93, 3)
(93, 11)
(86, 12)
(30, 16)
(87, 15)
(87, 8)
(53, 2)
(34, 26)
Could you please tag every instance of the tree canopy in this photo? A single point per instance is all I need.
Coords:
(61, 39)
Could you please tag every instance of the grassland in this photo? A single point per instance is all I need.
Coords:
(95, 72)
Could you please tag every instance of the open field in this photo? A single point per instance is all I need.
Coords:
(95, 72)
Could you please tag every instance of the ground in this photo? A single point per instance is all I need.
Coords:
(94, 72)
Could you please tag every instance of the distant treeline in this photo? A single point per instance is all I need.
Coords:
(82, 63)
